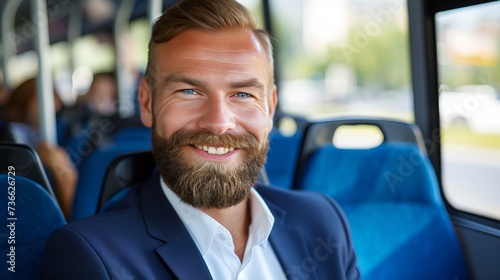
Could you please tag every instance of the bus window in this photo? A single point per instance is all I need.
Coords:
(468, 45)
(346, 57)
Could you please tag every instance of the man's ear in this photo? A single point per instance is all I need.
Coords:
(272, 103)
(146, 103)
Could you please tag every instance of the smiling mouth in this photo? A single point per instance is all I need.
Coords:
(215, 150)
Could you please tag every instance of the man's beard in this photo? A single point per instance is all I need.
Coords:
(207, 184)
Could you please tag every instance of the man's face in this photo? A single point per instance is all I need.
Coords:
(213, 106)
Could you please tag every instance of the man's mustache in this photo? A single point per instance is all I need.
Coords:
(204, 138)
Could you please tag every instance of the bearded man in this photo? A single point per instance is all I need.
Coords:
(209, 96)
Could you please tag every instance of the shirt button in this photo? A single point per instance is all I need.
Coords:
(222, 237)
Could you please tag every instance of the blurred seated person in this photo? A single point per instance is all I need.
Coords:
(101, 99)
(21, 112)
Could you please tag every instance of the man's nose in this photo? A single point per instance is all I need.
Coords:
(218, 117)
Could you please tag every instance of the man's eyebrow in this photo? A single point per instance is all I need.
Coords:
(249, 83)
(176, 78)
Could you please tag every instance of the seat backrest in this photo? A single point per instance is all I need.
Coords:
(32, 214)
(92, 171)
(125, 171)
(321, 133)
(282, 158)
(26, 163)
(397, 169)
(284, 151)
(393, 171)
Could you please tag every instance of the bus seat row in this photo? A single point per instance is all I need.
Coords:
(390, 196)
(29, 209)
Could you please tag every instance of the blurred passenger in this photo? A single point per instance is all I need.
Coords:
(22, 108)
(22, 104)
(101, 99)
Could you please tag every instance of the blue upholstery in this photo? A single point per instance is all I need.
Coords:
(390, 196)
(282, 158)
(114, 199)
(38, 215)
(92, 171)
(103, 131)
(122, 173)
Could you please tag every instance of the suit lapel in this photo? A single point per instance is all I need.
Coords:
(286, 239)
(179, 252)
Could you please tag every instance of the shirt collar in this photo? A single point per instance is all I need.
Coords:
(203, 228)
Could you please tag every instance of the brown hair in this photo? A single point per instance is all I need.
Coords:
(207, 15)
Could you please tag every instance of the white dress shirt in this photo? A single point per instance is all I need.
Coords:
(216, 243)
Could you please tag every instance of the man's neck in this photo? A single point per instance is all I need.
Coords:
(236, 219)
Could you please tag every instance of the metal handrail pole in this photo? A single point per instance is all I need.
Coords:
(125, 91)
(154, 10)
(44, 85)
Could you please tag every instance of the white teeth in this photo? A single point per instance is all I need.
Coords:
(214, 150)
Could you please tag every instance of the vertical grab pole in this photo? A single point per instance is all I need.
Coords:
(44, 87)
(125, 89)
(154, 10)
(9, 43)
(74, 29)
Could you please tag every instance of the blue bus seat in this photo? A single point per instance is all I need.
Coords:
(33, 214)
(283, 154)
(391, 199)
(125, 171)
(92, 171)
(282, 158)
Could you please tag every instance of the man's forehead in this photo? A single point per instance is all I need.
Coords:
(226, 43)
(234, 52)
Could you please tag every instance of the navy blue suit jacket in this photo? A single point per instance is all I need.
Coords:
(142, 237)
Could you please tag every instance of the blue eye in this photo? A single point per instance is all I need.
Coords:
(242, 95)
(189, 91)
